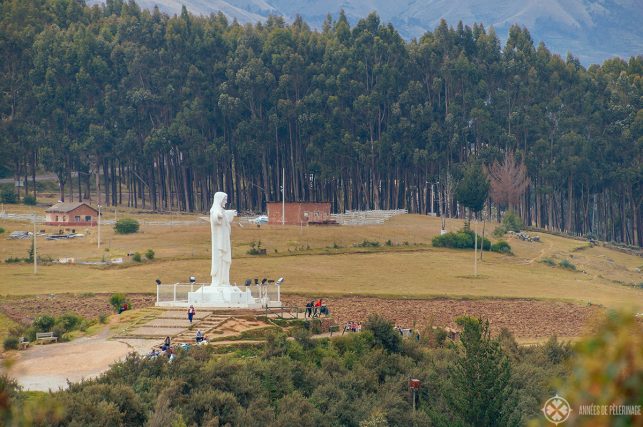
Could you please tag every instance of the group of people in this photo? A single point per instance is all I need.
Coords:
(165, 350)
(315, 308)
(352, 327)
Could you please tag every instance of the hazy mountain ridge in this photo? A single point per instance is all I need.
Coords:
(593, 30)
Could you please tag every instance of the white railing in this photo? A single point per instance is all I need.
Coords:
(267, 295)
(367, 217)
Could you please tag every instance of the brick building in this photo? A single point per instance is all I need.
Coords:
(71, 214)
(300, 213)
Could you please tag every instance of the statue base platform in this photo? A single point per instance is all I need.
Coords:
(224, 296)
(215, 296)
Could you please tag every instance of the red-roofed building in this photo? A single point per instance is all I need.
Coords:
(71, 214)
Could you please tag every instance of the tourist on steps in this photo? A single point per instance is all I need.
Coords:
(191, 313)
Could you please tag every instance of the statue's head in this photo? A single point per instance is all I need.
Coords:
(220, 199)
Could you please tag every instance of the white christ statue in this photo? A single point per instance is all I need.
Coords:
(220, 220)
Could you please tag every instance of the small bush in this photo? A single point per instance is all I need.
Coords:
(117, 300)
(10, 343)
(85, 324)
(13, 260)
(102, 318)
(501, 247)
(388, 242)
(69, 322)
(256, 249)
(29, 200)
(500, 231)
(126, 226)
(463, 239)
(137, 257)
(512, 222)
(44, 323)
(149, 254)
(548, 261)
(8, 196)
(367, 244)
(567, 265)
(1, 230)
(383, 332)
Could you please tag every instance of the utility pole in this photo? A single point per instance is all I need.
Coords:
(475, 249)
(99, 206)
(35, 253)
(283, 196)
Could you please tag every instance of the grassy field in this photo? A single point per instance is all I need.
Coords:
(323, 260)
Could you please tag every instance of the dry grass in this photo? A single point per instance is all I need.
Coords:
(307, 258)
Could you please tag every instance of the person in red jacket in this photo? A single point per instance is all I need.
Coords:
(318, 305)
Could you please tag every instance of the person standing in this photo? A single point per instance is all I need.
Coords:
(191, 313)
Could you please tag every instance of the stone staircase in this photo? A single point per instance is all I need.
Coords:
(219, 326)
(156, 323)
(207, 325)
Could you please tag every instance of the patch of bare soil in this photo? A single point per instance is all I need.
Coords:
(25, 309)
(524, 318)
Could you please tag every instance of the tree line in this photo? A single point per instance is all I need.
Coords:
(134, 107)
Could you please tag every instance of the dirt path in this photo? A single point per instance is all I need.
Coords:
(50, 366)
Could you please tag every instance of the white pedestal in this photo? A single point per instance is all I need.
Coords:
(222, 296)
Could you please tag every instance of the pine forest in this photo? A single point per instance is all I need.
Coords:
(135, 108)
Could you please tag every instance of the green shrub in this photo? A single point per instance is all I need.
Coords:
(13, 260)
(69, 322)
(512, 222)
(500, 231)
(256, 249)
(126, 226)
(367, 244)
(463, 239)
(548, 261)
(117, 300)
(29, 200)
(10, 343)
(383, 332)
(1, 230)
(149, 254)
(44, 323)
(137, 257)
(567, 265)
(8, 196)
(501, 247)
(102, 318)
(85, 324)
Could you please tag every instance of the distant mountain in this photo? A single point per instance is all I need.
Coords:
(593, 30)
